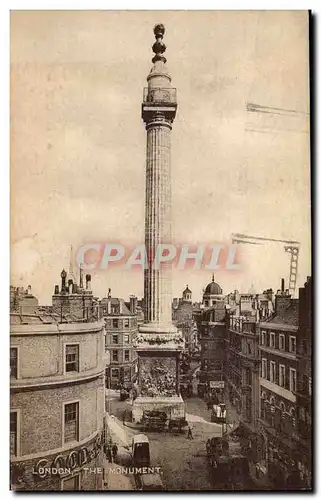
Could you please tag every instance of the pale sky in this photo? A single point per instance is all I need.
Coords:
(78, 141)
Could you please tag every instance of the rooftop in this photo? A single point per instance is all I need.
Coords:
(118, 307)
(46, 315)
(287, 316)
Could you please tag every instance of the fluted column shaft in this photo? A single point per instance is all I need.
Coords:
(157, 282)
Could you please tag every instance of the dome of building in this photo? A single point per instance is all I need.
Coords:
(213, 288)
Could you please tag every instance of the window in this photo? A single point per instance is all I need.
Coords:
(262, 406)
(115, 339)
(126, 323)
(114, 373)
(293, 415)
(115, 323)
(281, 342)
(126, 339)
(292, 379)
(249, 348)
(13, 362)
(248, 376)
(71, 484)
(115, 355)
(71, 420)
(272, 340)
(302, 413)
(13, 433)
(72, 358)
(264, 368)
(282, 375)
(292, 347)
(126, 355)
(263, 338)
(272, 371)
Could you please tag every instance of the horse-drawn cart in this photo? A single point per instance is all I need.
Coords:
(154, 420)
(177, 423)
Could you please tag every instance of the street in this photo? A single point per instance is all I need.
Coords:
(183, 461)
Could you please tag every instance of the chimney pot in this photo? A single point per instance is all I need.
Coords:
(282, 284)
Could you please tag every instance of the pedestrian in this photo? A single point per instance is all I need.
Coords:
(107, 451)
(189, 433)
(114, 450)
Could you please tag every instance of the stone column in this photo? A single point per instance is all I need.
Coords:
(158, 112)
(157, 282)
(158, 342)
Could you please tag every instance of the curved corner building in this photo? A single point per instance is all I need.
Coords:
(57, 400)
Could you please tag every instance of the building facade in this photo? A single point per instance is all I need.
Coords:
(121, 329)
(212, 337)
(182, 316)
(304, 385)
(57, 402)
(278, 386)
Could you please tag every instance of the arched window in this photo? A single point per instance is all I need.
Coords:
(272, 401)
(282, 407)
(263, 395)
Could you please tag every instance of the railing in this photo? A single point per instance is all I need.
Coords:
(159, 96)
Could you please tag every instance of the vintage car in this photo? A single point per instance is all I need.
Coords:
(149, 482)
(230, 467)
(140, 451)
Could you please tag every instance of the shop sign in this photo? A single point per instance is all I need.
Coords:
(216, 384)
(62, 464)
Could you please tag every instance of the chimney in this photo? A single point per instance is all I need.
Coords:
(109, 293)
(81, 277)
(109, 305)
(133, 304)
(282, 285)
(63, 276)
(88, 282)
(269, 294)
(282, 299)
(29, 290)
(56, 289)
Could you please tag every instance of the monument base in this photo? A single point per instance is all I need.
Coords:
(173, 406)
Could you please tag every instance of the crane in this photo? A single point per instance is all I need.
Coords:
(290, 246)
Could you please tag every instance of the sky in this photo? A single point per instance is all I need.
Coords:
(78, 141)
